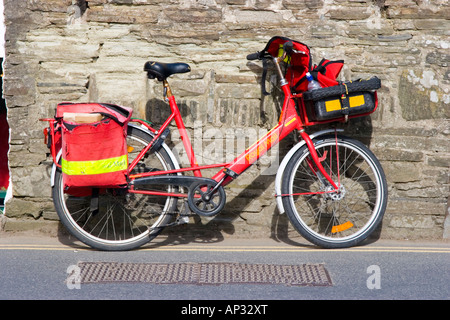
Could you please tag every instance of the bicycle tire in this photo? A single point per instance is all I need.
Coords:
(124, 221)
(343, 88)
(329, 219)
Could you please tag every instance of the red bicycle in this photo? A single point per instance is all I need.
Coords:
(332, 188)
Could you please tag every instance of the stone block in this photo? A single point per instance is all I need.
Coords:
(22, 207)
(416, 222)
(235, 2)
(243, 91)
(187, 88)
(300, 4)
(423, 144)
(46, 50)
(433, 24)
(399, 206)
(122, 14)
(424, 190)
(410, 10)
(235, 78)
(438, 58)
(31, 181)
(392, 154)
(50, 228)
(401, 172)
(253, 17)
(350, 13)
(193, 15)
(421, 97)
(49, 5)
(439, 161)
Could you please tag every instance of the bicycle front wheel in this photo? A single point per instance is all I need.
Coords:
(122, 220)
(324, 216)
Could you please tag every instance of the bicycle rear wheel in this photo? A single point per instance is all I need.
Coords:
(335, 219)
(123, 221)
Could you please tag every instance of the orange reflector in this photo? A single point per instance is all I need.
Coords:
(341, 227)
(130, 149)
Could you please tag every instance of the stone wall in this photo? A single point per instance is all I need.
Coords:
(76, 50)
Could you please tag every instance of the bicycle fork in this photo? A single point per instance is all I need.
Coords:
(318, 162)
(303, 134)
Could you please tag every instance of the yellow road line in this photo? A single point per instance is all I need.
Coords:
(207, 248)
(260, 249)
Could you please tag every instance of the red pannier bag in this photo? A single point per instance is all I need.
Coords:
(300, 62)
(327, 72)
(94, 148)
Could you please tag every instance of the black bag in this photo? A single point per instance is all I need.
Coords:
(346, 99)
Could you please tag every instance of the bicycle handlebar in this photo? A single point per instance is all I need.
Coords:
(254, 56)
(288, 48)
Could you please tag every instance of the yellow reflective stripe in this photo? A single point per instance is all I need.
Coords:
(74, 168)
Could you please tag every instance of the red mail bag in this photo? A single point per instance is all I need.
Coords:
(94, 148)
(300, 62)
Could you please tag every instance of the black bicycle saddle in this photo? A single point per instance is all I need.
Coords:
(162, 71)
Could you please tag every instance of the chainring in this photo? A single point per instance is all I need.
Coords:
(204, 200)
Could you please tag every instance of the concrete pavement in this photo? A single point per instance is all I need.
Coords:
(36, 267)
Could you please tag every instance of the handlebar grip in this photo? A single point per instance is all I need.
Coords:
(253, 56)
(288, 47)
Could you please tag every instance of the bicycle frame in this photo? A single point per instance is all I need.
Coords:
(289, 121)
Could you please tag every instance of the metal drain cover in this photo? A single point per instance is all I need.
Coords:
(204, 273)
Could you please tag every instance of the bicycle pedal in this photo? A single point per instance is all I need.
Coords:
(184, 215)
(183, 219)
(178, 221)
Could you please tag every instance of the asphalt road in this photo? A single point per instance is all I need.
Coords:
(36, 268)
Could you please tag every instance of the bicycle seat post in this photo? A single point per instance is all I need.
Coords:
(167, 91)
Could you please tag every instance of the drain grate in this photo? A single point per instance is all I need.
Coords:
(204, 273)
